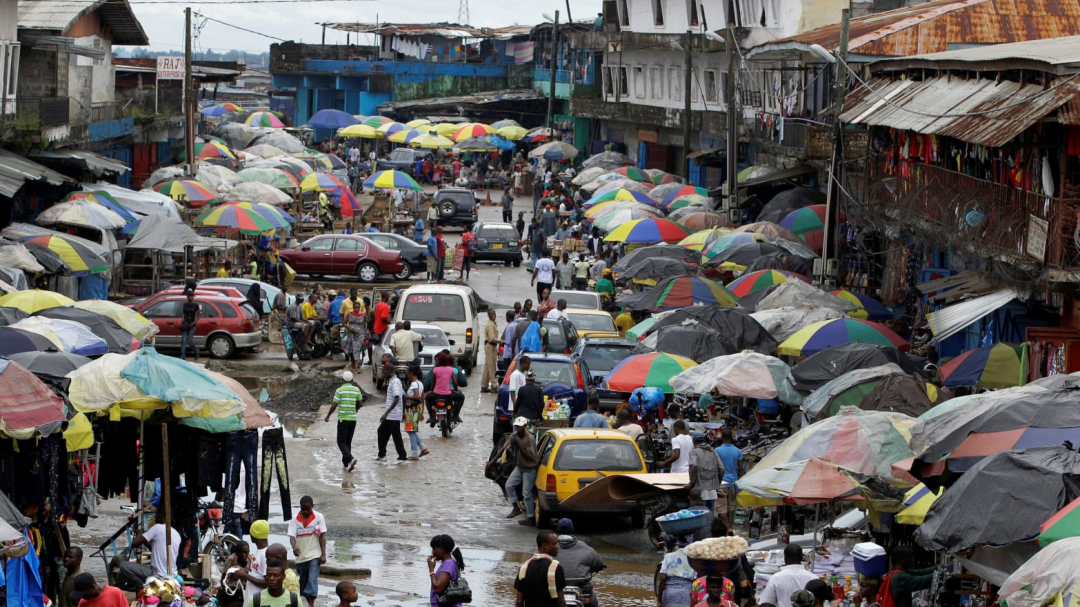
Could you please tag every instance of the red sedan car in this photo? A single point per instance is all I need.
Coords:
(226, 323)
(341, 254)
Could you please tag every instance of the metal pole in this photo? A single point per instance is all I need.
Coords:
(732, 118)
(554, 68)
(166, 486)
(189, 95)
(569, 19)
(837, 153)
(688, 74)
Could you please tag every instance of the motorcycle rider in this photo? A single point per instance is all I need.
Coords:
(444, 386)
(579, 560)
(294, 320)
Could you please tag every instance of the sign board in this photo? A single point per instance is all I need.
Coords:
(614, 46)
(648, 136)
(855, 143)
(1037, 231)
(818, 142)
(170, 68)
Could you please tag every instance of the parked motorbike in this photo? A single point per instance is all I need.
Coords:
(306, 351)
(579, 592)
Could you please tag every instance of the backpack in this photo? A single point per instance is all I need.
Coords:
(885, 597)
(294, 601)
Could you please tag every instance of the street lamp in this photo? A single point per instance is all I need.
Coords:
(820, 51)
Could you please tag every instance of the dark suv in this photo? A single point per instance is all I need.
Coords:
(497, 242)
(456, 207)
(404, 159)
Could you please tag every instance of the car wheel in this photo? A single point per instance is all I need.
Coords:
(517, 263)
(508, 263)
(543, 517)
(367, 272)
(447, 208)
(406, 271)
(221, 346)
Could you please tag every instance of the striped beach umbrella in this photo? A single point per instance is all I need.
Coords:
(407, 135)
(376, 121)
(234, 217)
(682, 291)
(321, 182)
(277, 217)
(389, 180)
(634, 173)
(686, 190)
(186, 191)
(701, 239)
(392, 127)
(996, 366)
(829, 333)
(475, 129)
(653, 370)
(264, 119)
(622, 194)
(648, 231)
(205, 150)
(808, 223)
(868, 307)
(604, 208)
(748, 283)
(105, 199)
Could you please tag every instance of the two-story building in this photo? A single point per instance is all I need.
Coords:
(9, 56)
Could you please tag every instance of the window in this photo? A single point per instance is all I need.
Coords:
(227, 311)
(499, 232)
(386, 242)
(695, 87)
(675, 83)
(208, 310)
(656, 80)
(639, 82)
(609, 78)
(554, 372)
(692, 12)
(722, 96)
(603, 358)
(658, 12)
(434, 307)
(710, 86)
(593, 322)
(321, 244)
(624, 14)
(163, 309)
(350, 245)
(597, 454)
(624, 85)
(433, 338)
(578, 299)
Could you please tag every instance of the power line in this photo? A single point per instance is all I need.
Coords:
(229, 3)
(243, 29)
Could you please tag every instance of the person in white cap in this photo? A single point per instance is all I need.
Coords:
(524, 474)
(347, 399)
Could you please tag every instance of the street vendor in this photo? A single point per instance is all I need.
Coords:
(604, 285)
(902, 581)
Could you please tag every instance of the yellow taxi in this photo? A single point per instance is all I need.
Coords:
(571, 459)
(592, 323)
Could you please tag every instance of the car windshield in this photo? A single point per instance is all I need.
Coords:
(604, 358)
(556, 337)
(598, 454)
(434, 307)
(554, 372)
(573, 299)
(498, 233)
(401, 155)
(433, 338)
(593, 322)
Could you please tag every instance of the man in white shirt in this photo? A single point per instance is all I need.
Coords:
(559, 311)
(403, 342)
(517, 379)
(543, 274)
(155, 538)
(307, 534)
(255, 576)
(390, 422)
(791, 577)
(681, 446)
(626, 425)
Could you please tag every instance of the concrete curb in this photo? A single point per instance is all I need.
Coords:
(343, 571)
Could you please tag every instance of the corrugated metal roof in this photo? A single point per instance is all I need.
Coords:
(932, 27)
(918, 106)
(59, 15)
(444, 30)
(85, 159)
(1060, 55)
(510, 31)
(15, 170)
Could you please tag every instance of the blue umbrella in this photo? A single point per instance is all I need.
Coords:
(501, 142)
(331, 119)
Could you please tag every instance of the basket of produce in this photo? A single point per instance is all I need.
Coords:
(683, 521)
(716, 555)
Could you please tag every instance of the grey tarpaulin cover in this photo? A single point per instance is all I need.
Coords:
(787, 201)
(694, 341)
(819, 400)
(10, 316)
(818, 369)
(15, 256)
(737, 328)
(657, 250)
(161, 234)
(656, 269)
(797, 294)
(782, 261)
(898, 394)
(1004, 498)
(10, 514)
(782, 323)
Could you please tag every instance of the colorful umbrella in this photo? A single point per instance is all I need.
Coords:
(622, 194)
(808, 224)
(884, 388)
(698, 241)
(812, 481)
(389, 180)
(995, 366)
(648, 231)
(32, 300)
(829, 333)
(321, 182)
(684, 201)
(264, 119)
(634, 173)
(407, 135)
(235, 217)
(208, 150)
(512, 132)
(868, 307)
(418, 122)
(618, 216)
(753, 281)
(326, 162)
(556, 150)
(679, 292)
(686, 190)
(604, 208)
(362, 131)
(221, 109)
(277, 217)
(331, 119)
(105, 199)
(652, 370)
(1066, 523)
(392, 127)
(81, 213)
(917, 502)
(475, 129)
(374, 122)
(431, 141)
(26, 403)
(662, 177)
(637, 331)
(75, 255)
(186, 191)
(130, 320)
(344, 198)
(68, 335)
(729, 241)
(540, 133)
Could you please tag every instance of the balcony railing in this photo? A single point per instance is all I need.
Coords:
(107, 111)
(49, 111)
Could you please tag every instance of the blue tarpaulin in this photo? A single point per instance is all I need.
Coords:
(173, 380)
(24, 582)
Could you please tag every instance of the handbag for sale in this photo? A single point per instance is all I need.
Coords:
(456, 592)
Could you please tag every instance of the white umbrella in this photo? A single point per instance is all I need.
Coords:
(263, 150)
(1054, 569)
(556, 150)
(748, 374)
(253, 191)
(83, 213)
(590, 174)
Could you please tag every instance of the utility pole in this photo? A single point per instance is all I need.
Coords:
(189, 95)
(688, 79)
(832, 194)
(732, 119)
(554, 68)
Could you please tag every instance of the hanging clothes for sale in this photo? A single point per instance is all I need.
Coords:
(241, 451)
(119, 464)
(23, 581)
(273, 458)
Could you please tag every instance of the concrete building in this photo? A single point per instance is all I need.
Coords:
(9, 56)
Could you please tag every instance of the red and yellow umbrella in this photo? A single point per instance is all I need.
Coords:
(186, 191)
(753, 281)
(653, 370)
(475, 129)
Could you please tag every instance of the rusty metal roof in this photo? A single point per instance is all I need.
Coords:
(937, 106)
(1057, 55)
(59, 15)
(933, 26)
(443, 30)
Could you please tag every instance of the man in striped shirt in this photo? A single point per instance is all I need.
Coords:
(347, 399)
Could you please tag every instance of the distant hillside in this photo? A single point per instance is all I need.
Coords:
(253, 60)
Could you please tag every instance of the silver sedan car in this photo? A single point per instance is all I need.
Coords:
(435, 341)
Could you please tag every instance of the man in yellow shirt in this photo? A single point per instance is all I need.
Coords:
(226, 270)
(310, 315)
(347, 306)
(624, 321)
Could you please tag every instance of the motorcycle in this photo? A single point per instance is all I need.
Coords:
(444, 416)
(579, 593)
(307, 351)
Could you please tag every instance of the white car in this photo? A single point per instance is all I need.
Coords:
(268, 291)
(435, 341)
(454, 308)
(585, 300)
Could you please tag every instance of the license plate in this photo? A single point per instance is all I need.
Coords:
(496, 246)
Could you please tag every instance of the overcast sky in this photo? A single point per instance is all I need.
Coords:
(164, 23)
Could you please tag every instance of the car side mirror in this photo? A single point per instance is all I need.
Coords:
(305, 248)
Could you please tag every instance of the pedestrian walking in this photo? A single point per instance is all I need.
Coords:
(564, 273)
(734, 467)
(414, 413)
(541, 579)
(191, 312)
(581, 275)
(432, 255)
(491, 353)
(468, 243)
(543, 274)
(706, 470)
(524, 474)
(538, 243)
(307, 534)
(356, 324)
(390, 421)
(440, 251)
(347, 399)
(445, 564)
(507, 206)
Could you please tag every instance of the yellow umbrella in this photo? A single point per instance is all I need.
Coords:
(513, 133)
(79, 434)
(418, 122)
(432, 141)
(362, 131)
(701, 239)
(917, 502)
(391, 127)
(33, 300)
(446, 128)
(128, 319)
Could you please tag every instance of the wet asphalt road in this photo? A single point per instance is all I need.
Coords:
(382, 515)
